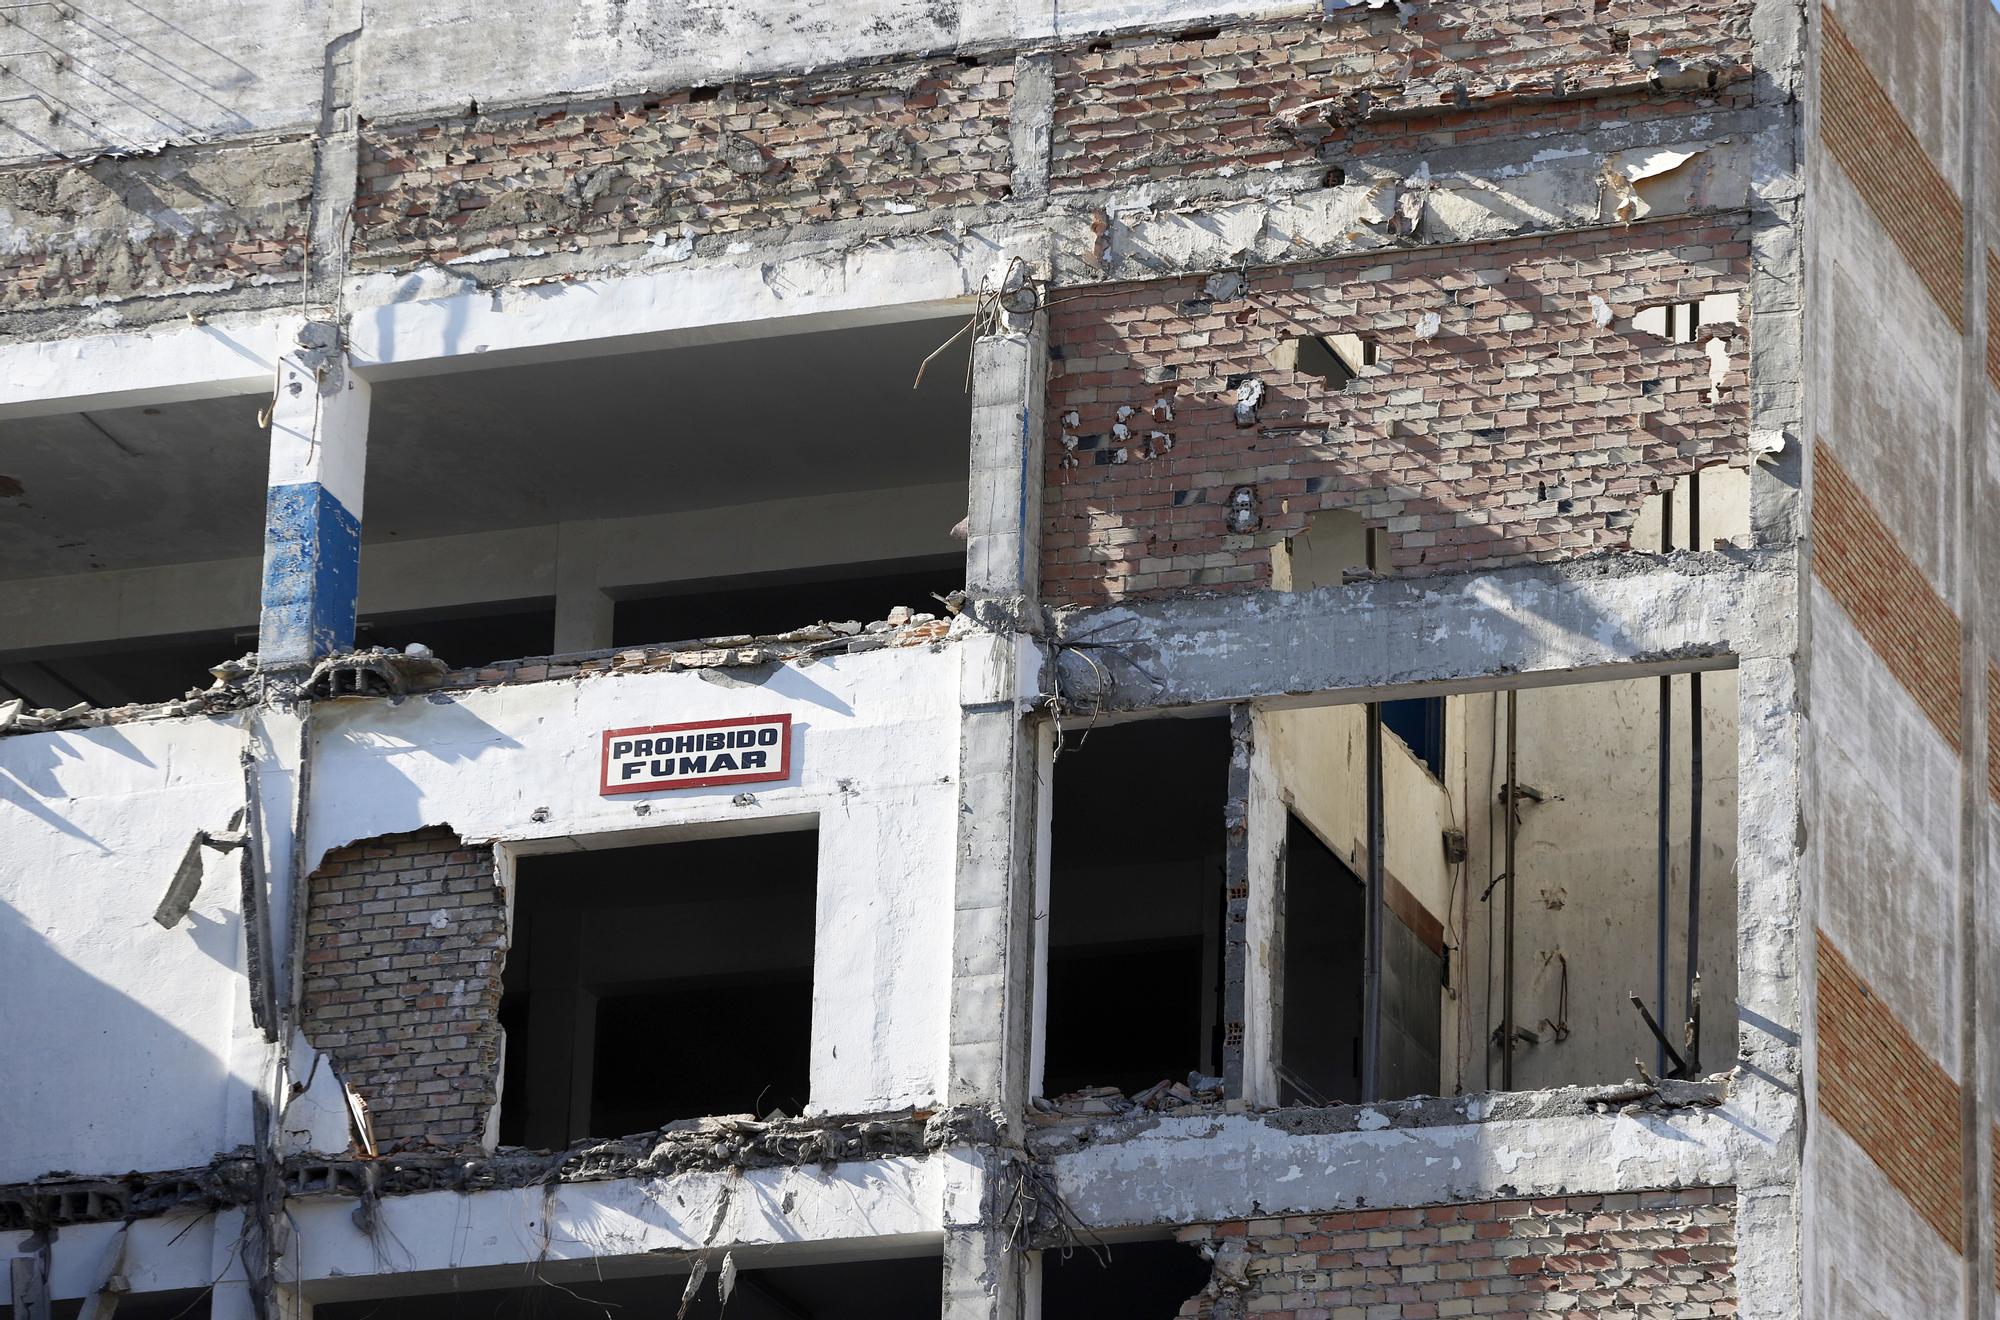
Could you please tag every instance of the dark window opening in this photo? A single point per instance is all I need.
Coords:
(1136, 905)
(1336, 360)
(468, 636)
(182, 1304)
(1419, 722)
(650, 984)
(845, 1290)
(758, 604)
(1131, 1280)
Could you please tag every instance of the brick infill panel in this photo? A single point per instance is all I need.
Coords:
(1521, 431)
(1909, 197)
(1885, 595)
(1897, 1103)
(405, 935)
(1669, 1252)
(900, 139)
(1298, 91)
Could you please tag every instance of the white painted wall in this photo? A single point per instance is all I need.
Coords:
(117, 1036)
(875, 759)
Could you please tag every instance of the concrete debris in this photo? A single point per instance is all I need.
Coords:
(1226, 287)
(696, 1274)
(181, 890)
(1243, 516)
(1249, 397)
(375, 672)
(1765, 446)
(1631, 179)
(1428, 325)
(1600, 310)
(726, 1144)
(1163, 1096)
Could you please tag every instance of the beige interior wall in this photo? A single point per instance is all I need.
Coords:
(1587, 857)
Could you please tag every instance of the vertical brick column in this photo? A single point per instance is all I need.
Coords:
(312, 518)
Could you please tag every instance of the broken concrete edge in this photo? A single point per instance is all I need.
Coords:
(731, 1143)
(376, 672)
(737, 1143)
(1057, 1133)
(230, 293)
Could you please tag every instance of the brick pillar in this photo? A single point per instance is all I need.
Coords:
(312, 518)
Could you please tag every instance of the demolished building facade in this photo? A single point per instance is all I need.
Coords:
(1449, 765)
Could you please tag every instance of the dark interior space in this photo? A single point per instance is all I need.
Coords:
(1324, 991)
(772, 603)
(847, 1290)
(1419, 722)
(183, 1304)
(1129, 1280)
(1319, 1052)
(657, 983)
(467, 637)
(1136, 904)
(114, 674)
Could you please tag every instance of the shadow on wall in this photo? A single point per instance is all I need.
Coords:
(115, 1086)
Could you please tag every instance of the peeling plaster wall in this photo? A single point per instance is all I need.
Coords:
(196, 219)
(121, 1037)
(875, 759)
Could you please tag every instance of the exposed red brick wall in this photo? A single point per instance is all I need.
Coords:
(903, 138)
(1298, 91)
(155, 225)
(1890, 1096)
(1885, 595)
(1523, 431)
(1993, 316)
(1631, 1253)
(404, 940)
(1993, 734)
(1890, 169)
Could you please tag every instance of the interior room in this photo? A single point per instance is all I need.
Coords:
(660, 982)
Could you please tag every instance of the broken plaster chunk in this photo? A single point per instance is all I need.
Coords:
(1225, 287)
(1765, 446)
(1163, 409)
(1126, 412)
(1072, 419)
(1243, 509)
(1249, 396)
(1600, 310)
(1120, 455)
(1428, 325)
(1636, 180)
(1120, 431)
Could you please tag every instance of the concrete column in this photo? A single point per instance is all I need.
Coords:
(993, 930)
(312, 520)
(583, 610)
(1003, 516)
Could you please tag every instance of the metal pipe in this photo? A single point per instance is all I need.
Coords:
(1507, 928)
(1664, 845)
(1694, 821)
(1371, 993)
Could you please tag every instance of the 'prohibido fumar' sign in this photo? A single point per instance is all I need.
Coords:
(707, 752)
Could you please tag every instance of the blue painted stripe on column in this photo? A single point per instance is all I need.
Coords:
(312, 575)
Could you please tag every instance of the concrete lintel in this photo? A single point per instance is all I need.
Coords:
(1184, 1170)
(1512, 627)
(520, 309)
(168, 363)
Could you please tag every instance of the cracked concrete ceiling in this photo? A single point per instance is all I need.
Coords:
(515, 446)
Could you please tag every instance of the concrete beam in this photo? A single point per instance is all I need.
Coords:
(1170, 1171)
(511, 564)
(1369, 641)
